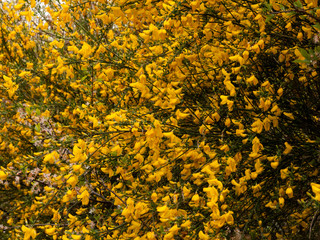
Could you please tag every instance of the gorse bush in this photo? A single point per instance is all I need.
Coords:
(159, 119)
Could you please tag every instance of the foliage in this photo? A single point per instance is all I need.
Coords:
(159, 119)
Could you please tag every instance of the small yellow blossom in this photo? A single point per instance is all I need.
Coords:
(3, 175)
(289, 192)
(288, 148)
(28, 233)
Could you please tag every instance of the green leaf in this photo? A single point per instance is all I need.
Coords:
(268, 6)
(301, 61)
(28, 110)
(37, 127)
(317, 26)
(298, 4)
(317, 49)
(304, 53)
(269, 17)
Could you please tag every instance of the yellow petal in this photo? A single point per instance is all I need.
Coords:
(3, 175)
(288, 148)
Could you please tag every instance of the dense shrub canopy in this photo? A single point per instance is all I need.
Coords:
(159, 119)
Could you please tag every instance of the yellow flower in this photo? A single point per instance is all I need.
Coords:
(181, 115)
(203, 236)
(50, 231)
(224, 99)
(154, 197)
(94, 121)
(195, 199)
(51, 157)
(76, 237)
(11, 86)
(85, 197)
(289, 115)
(86, 50)
(257, 126)
(117, 150)
(252, 80)
(186, 191)
(289, 192)
(73, 181)
(28, 233)
(186, 224)
(56, 216)
(256, 145)
(274, 165)
(10, 221)
(271, 204)
(3, 175)
(316, 189)
(229, 218)
(227, 122)
(288, 148)
(18, 6)
(281, 202)
(162, 209)
(174, 229)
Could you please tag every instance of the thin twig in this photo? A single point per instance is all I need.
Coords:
(315, 216)
(112, 192)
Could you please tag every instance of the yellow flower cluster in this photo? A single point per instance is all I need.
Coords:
(194, 119)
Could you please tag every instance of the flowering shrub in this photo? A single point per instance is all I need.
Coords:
(159, 119)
